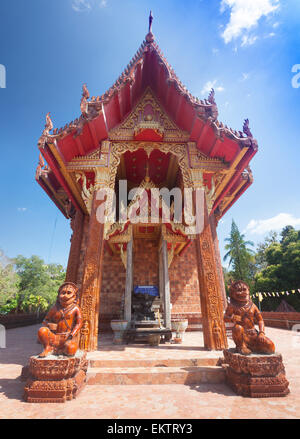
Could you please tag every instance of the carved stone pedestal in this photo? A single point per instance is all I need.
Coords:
(255, 375)
(55, 378)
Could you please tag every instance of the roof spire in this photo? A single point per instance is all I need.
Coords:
(150, 36)
(150, 22)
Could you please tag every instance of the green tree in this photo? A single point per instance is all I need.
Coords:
(260, 254)
(241, 258)
(9, 280)
(38, 279)
(282, 269)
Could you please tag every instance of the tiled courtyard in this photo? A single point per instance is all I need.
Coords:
(174, 401)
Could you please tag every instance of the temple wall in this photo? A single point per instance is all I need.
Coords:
(112, 289)
(145, 262)
(184, 286)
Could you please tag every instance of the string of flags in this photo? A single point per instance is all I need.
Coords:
(262, 296)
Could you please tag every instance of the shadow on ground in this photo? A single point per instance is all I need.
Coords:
(12, 388)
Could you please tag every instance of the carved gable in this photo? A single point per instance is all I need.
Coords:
(148, 121)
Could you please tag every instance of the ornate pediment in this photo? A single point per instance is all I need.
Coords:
(148, 121)
(96, 158)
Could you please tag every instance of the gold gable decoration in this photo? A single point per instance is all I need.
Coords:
(156, 120)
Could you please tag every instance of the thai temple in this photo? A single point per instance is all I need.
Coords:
(147, 132)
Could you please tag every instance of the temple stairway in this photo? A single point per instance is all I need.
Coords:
(133, 364)
(160, 374)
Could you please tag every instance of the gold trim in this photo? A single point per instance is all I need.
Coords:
(66, 175)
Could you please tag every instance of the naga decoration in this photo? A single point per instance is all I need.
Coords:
(46, 131)
(84, 102)
(49, 124)
(246, 128)
(42, 168)
(211, 97)
(244, 314)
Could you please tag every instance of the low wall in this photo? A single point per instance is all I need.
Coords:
(283, 320)
(17, 320)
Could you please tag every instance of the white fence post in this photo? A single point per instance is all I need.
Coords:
(296, 335)
(2, 337)
(2, 76)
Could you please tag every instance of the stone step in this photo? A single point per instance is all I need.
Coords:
(155, 375)
(94, 361)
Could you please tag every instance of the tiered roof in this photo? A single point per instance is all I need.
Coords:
(99, 115)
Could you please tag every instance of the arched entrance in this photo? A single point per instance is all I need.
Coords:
(148, 240)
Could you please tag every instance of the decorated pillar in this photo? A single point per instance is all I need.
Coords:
(214, 332)
(92, 273)
(129, 282)
(213, 225)
(74, 255)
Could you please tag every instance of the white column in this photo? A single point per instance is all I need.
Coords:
(129, 281)
(166, 284)
(161, 281)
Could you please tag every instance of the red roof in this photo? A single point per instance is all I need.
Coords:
(149, 68)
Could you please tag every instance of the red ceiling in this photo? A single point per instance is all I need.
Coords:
(135, 163)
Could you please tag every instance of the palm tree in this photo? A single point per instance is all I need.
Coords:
(239, 253)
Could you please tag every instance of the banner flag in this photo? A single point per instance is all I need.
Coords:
(262, 295)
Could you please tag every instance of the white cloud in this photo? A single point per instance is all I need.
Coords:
(87, 5)
(209, 85)
(245, 76)
(81, 5)
(245, 15)
(277, 222)
(248, 40)
(22, 209)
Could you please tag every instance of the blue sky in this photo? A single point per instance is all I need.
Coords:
(245, 49)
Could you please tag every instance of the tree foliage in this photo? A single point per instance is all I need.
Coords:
(274, 267)
(38, 278)
(28, 284)
(9, 280)
(241, 258)
(282, 270)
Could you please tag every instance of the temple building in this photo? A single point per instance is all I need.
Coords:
(148, 131)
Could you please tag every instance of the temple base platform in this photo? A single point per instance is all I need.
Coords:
(54, 378)
(255, 375)
(167, 363)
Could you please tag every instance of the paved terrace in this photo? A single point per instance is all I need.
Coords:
(175, 401)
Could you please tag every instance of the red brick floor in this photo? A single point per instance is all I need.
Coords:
(176, 401)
